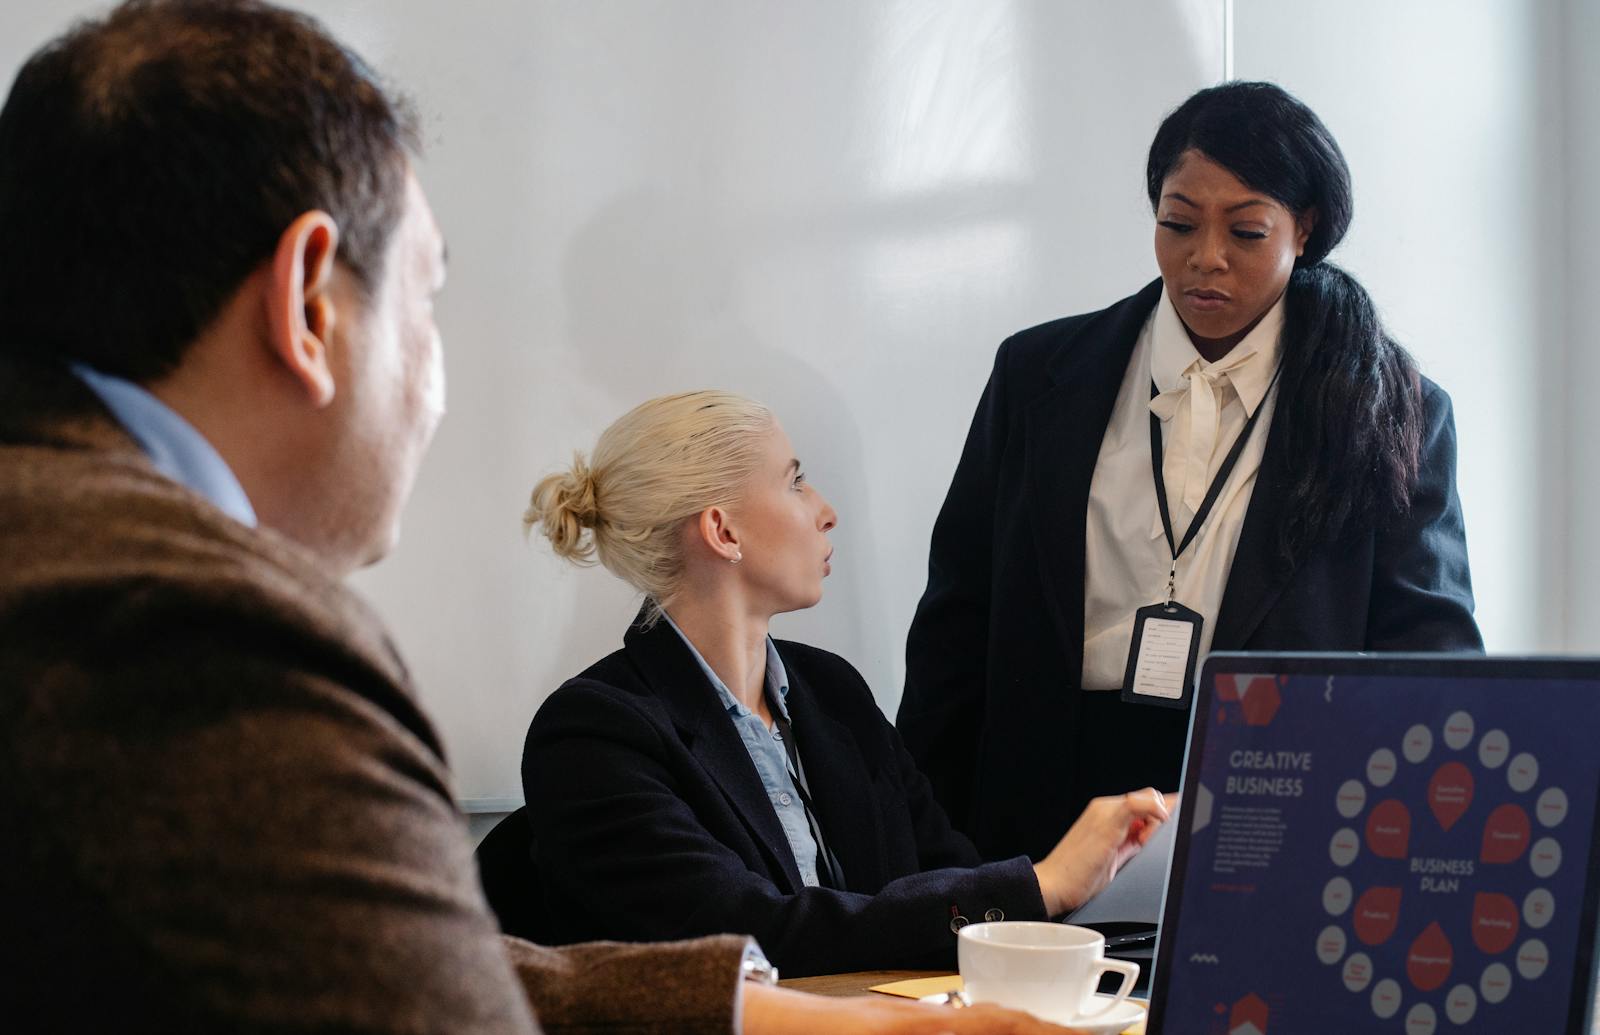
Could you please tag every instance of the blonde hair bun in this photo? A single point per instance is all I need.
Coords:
(565, 507)
(657, 465)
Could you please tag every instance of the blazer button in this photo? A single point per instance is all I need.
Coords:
(995, 915)
(957, 922)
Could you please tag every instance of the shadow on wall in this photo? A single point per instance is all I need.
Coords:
(685, 333)
(836, 208)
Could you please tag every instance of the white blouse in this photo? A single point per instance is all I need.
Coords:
(1203, 407)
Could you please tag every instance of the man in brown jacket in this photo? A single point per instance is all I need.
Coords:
(220, 806)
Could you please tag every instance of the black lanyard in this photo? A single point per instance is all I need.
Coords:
(826, 860)
(1212, 493)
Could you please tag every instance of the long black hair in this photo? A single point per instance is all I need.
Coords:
(1349, 412)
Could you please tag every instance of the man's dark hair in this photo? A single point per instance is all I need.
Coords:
(151, 160)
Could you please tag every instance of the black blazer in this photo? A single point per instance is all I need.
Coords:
(992, 710)
(650, 821)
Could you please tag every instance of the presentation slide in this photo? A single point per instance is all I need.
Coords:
(1386, 854)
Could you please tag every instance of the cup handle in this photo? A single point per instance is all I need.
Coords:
(1130, 974)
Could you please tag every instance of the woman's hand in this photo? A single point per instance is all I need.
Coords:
(1109, 833)
(781, 1011)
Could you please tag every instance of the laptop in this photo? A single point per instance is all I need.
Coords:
(1384, 843)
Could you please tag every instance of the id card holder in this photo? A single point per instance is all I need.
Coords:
(1162, 656)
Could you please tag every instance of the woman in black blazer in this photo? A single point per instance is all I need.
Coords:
(706, 778)
(1339, 527)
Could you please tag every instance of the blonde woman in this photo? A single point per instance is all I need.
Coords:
(708, 778)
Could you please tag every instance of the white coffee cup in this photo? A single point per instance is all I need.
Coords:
(1049, 970)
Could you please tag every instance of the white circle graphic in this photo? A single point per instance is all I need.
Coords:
(1418, 743)
(1421, 1020)
(1331, 945)
(1494, 749)
(1461, 1004)
(1386, 998)
(1336, 896)
(1458, 730)
(1538, 908)
(1532, 959)
(1381, 767)
(1357, 972)
(1523, 773)
(1552, 807)
(1495, 984)
(1545, 857)
(1351, 799)
(1344, 847)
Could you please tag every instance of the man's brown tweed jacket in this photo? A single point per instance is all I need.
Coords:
(220, 807)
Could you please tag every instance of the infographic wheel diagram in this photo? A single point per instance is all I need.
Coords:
(1438, 855)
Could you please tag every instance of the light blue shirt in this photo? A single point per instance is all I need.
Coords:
(173, 445)
(767, 752)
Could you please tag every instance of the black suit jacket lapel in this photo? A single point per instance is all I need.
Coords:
(664, 662)
(1259, 572)
(841, 786)
(1064, 429)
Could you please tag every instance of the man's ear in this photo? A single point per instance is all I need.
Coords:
(300, 312)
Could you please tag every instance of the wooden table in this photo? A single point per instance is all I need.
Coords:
(862, 982)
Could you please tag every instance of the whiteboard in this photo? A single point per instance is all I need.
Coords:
(837, 207)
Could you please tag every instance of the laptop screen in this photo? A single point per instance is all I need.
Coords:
(1384, 844)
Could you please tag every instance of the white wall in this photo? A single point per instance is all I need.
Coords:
(841, 207)
(837, 207)
(1578, 547)
(1444, 111)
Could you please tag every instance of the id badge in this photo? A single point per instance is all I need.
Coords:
(1162, 656)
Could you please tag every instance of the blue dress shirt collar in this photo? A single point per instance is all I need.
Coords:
(173, 445)
(777, 676)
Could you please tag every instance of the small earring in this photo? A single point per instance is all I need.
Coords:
(736, 558)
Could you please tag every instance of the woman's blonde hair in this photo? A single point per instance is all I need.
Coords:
(661, 463)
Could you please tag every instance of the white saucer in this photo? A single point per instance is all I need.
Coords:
(1113, 1022)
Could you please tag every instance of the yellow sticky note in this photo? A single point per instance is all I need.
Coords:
(916, 988)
